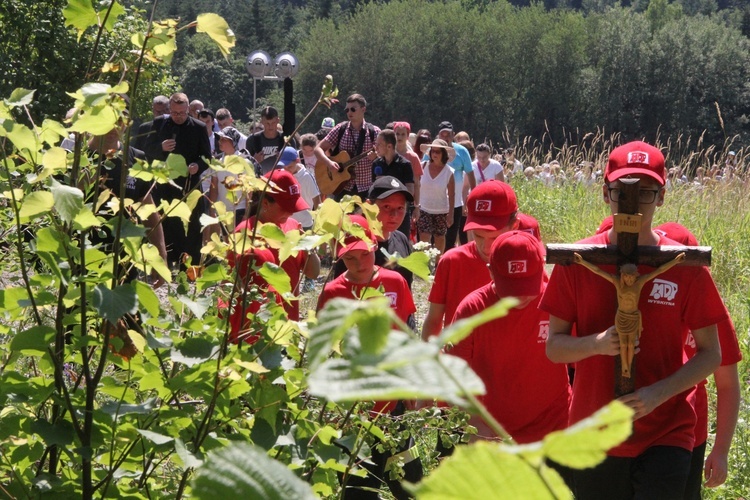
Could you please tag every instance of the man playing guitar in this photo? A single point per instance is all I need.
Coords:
(354, 137)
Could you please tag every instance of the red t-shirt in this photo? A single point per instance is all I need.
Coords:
(730, 354)
(292, 266)
(393, 285)
(526, 392)
(681, 299)
(459, 272)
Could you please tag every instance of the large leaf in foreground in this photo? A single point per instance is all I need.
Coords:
(585, 444)
(245, 471)
(378, 363)
(521, 471)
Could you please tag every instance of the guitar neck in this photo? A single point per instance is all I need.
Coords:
(354, 160)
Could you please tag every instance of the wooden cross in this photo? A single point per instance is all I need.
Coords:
(627, 225)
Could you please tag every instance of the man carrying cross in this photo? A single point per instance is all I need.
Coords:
(654, 462)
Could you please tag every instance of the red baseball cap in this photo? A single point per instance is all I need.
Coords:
(528, 224)
(517, 264)
(356, 242)
(635, 158)
(288, 193)
(678, 233)
(490, 206)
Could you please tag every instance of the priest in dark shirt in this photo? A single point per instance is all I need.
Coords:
(181, 134)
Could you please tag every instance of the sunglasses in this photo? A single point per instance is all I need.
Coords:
(351, 110)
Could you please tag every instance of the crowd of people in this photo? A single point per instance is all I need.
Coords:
(445, 190)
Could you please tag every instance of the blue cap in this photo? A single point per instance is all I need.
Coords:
(288, 156)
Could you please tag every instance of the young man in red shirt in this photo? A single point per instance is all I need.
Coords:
(276, 207)
(526, 392)
(491, 211)
(655, 460)
(364, 279)
(362, 275)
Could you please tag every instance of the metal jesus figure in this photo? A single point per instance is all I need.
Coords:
(628, 318)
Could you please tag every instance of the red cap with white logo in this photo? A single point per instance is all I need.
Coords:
(490, 206)
(517, 265)
(636, 158)
(286, 191)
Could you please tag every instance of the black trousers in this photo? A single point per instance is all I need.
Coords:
(661, 472)
(695, 478)
(456, 230)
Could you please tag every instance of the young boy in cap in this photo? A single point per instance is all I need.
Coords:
(229, 138)
(526, 392)
(491, 211)
(392, 199)
(289, 160)
(362, 273)
(362, 277)
(655, 460)
(276, 206)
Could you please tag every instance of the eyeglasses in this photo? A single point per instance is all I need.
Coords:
(351, 110)
(178, 113)
(645, 196)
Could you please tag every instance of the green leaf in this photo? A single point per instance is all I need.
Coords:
(461, 329)
(198, 306)
(116, 409)
(36, 204)
(85, 219)
(96, 121)
(586, 443)
(460, 477)
(176, 166)
(217, 28)
(147, 298)
(34, 341)
(155, 437)
(61, 433)
(68, 200)
(276, 277)
(188, 459)
(246, 471)
(20, 97)
(417, 262)
(80, 14)
(194, 351)
(116, 11)
(403, 368)
(113, 304)
(20, 135)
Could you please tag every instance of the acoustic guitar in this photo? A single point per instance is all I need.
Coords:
(332, 181)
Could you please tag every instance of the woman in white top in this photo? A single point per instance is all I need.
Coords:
(434, 214)
(485, 168)
(233, 199)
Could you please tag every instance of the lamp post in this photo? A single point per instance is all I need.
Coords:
(282, 68)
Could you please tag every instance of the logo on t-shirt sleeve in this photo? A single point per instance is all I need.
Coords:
(392, 298)
(543, 332)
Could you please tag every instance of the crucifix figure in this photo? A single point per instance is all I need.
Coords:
(628, 318)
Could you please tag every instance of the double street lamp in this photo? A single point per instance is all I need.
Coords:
(283, 67)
